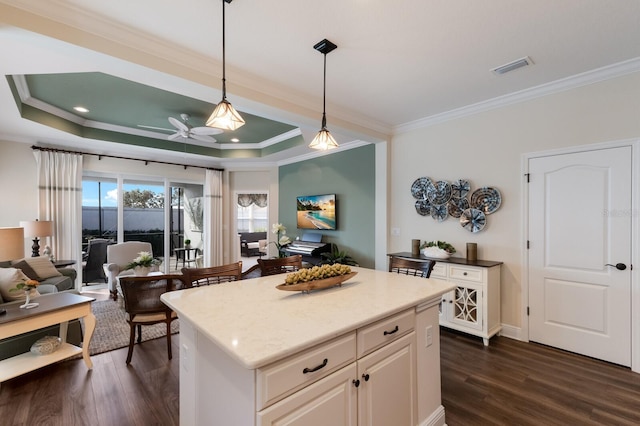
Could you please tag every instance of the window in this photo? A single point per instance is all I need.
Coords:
(252, 213)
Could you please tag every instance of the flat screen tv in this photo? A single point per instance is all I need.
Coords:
(316, 211)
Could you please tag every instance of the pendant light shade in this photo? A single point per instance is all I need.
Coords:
(323, 139)
(224, 116)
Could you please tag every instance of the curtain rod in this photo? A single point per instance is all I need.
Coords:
(41, 148)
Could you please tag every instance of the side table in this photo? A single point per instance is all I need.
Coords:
(63, 263)
(184, 254)
(56, 308)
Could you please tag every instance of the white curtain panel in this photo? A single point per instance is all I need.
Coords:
(213, 218)
(60, 200)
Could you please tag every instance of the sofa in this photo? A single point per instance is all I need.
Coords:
(252, 242)
(64, 282)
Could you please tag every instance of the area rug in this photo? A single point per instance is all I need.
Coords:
(112, 330)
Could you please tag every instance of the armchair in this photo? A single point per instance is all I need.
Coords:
(118, 257)
(93, 267)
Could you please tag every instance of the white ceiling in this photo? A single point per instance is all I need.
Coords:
(398, 63)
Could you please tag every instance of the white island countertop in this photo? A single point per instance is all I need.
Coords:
(256, 324)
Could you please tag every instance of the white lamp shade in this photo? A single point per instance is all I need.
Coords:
(225, 117)
(11, 243)
(323, 140)
(37, 228)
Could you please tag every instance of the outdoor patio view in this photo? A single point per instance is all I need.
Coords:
(143, 219)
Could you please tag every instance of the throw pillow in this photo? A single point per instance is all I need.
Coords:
(27, 270)
(9, 278)
(42, 267)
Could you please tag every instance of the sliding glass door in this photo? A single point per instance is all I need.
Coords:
(157, 211)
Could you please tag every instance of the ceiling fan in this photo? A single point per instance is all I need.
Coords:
(184, 130)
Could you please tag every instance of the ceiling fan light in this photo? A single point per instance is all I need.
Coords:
(225, 117)
(323, 141)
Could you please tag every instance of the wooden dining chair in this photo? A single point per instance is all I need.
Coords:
(280, 265)
(196, 277)
(418, 268)
(144, 307)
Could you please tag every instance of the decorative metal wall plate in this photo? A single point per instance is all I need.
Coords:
(460, 189)
(456, 206)
(420, 187)
(473, 220)
(487, 199)
(439, 212)
(423, 207)
(440, 193)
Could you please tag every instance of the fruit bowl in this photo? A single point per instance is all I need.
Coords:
(317, 284)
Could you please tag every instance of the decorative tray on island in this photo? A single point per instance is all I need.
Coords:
(317, 284)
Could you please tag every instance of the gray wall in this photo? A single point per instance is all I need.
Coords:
(351, 176)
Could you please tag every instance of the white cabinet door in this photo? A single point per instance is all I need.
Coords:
(465, 306)
(387, 391)
(329, 401)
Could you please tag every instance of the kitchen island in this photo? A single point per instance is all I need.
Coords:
(366, 352)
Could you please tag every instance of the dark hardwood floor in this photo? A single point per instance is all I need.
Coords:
(517, 383)
(507, 383)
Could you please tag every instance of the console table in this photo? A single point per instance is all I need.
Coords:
(473, 306)
(56, 308)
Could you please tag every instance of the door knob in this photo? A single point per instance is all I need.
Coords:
(619, 266)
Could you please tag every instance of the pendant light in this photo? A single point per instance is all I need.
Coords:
(224, 116)
(323, 139)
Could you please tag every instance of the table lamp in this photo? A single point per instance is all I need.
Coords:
(12, 246)
(35, 229)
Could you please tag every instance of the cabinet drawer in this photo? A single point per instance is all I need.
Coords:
(282, 378)
(439, 271)
(385, 331)
(464, 273)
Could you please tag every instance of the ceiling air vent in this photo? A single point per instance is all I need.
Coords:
(518, 63)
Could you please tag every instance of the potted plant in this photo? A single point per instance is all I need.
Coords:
(437, 249)
(337, 256)
(187, 243)
(282, 240)
(142, 264)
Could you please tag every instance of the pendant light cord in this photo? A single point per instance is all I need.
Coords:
(324, 94)
(224, 79)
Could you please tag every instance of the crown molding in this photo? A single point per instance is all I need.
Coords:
(316, 154)
(583, 79)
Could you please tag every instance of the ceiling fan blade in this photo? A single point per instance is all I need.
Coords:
(205, 131)
(178, 124)
(175, 136)
(156, 128)
(202, 138)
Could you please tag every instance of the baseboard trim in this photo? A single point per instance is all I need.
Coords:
(436, 418)
(511, 332)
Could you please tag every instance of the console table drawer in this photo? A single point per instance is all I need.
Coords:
(278, 380)
(439, 271)
(466, 274)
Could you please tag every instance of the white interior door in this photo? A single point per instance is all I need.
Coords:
(579, 221)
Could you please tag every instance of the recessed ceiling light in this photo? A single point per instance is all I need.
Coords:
(81, 109)
(235, 140)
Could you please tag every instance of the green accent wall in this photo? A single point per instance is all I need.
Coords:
(351, 176)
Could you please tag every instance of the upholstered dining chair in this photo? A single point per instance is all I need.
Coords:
(196, 277)
(280, 265)
(418, 268)
(143, 305)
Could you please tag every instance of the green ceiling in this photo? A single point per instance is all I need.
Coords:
(114, 101)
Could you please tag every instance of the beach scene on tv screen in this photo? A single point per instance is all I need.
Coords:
(317, 212)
